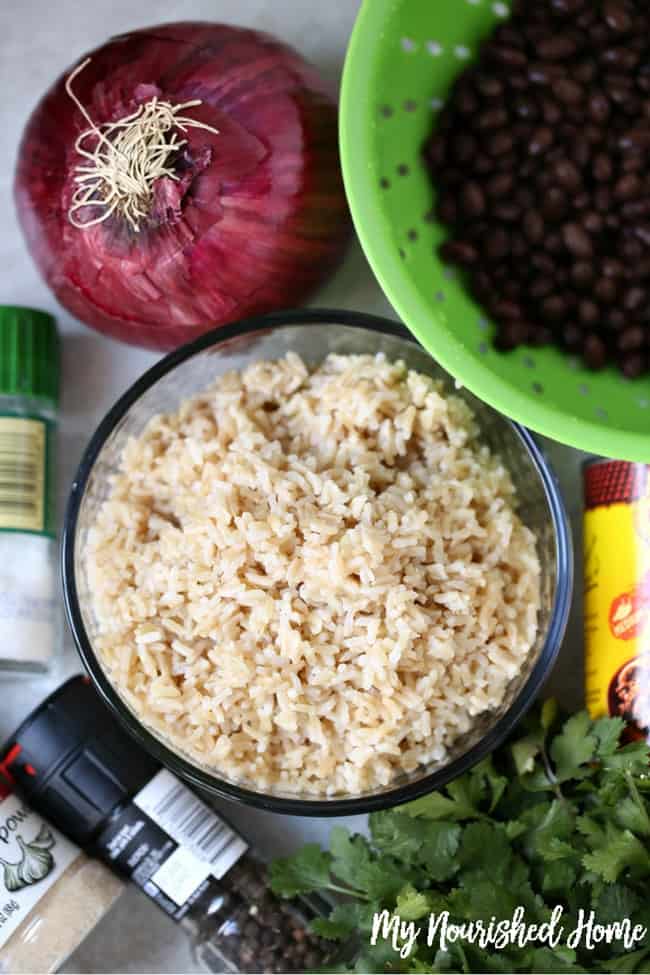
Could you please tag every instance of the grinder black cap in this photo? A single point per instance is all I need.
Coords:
(73, 762)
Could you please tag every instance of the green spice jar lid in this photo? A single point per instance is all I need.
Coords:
(29, 353)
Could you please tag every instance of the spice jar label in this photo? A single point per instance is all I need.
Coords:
(33, 856)
(23, 474)
(170, 843)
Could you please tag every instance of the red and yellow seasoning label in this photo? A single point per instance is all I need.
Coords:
(617, 592)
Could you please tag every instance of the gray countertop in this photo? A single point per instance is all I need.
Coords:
(38, 40)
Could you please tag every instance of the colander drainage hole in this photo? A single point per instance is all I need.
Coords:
(529, 362)
(583, 390)
(440, 296)
(538, 388)
(384, 183)
(602, 413)
(483, 348)
(412, 234)
(386, 111)
(403, 169)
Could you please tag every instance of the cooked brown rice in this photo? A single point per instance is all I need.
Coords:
(312, 581)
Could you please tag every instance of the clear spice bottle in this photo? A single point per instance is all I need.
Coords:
(75, 765)
(30, 621)
(51, 894)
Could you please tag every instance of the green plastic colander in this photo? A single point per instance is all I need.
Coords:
(402, 59)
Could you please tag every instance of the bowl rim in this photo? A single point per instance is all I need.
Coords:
(375, 234)
(212, 783)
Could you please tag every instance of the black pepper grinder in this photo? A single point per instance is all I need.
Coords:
(75, 766)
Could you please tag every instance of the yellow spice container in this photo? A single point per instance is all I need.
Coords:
(617, 592)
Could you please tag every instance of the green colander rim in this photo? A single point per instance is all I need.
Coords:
(357, 113)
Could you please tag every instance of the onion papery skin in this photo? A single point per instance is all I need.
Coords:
(256, 221)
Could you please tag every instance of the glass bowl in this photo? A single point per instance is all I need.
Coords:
(314, 334)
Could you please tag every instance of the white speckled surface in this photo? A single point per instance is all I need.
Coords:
(38, 39)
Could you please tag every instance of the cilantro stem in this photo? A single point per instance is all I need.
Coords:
(348, 891)
(550, 774)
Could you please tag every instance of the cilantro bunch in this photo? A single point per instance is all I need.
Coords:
(558, 816)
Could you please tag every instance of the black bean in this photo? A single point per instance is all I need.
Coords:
(489, 86)
(616, 16)
(446, 210)
(554, 308)
(510, 334)
(555, 204)
(611, 268)
(602, 167)
(636, 208)
(616, 320)
(632, 250)
(473, 200)
(577, 240)
(526, 108)
(567, 175)
(467, 102)
(573, 337)
(631, 339)
(541, 140)
(603, 199)
(500, 144)
(588, 312)
(507, 212)
(594, 352)
(599, 107)
(634, 365)
(498, 245)
(509, 57)
(642, 231)
(635, 140)
(542, 335)
(586, 72)
(500, 185)
(551, 111)
(494, 118)
(541, 288)
(567, 91)
(583, 274)
(465, 147)
(534, 226)
(593, 222)
(557, 48)
(606, 291)
(580, 152)
(634, 298)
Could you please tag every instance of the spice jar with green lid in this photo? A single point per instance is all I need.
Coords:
(30, 621)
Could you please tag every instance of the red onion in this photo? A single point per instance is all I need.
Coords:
(246, 220)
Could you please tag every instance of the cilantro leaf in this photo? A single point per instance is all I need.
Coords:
(412, 904)
(524, 753)
(485, 849)
(457, 806)
(574, 747)
(305, 871)
(633, 815)
(608, 732)
(629, 962)
(344, 921)
(633, 758)
(354, 863)
(430, 844)
(622, 850)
